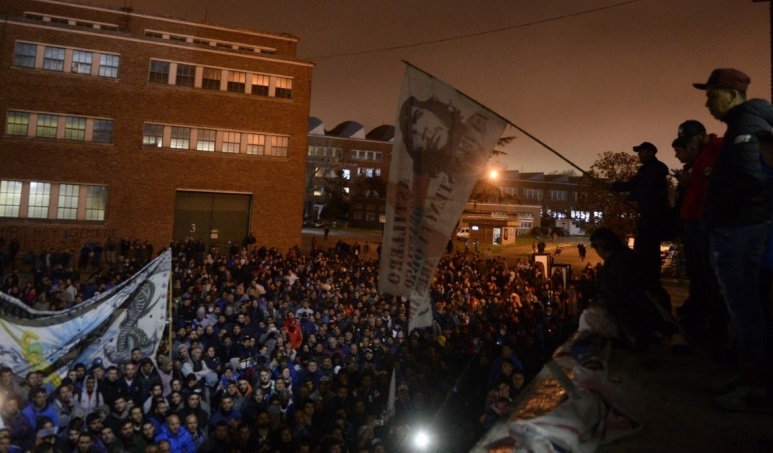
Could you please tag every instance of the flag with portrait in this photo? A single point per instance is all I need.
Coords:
(443, 140)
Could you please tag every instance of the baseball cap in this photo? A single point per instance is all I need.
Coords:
(46, 432)
(687, 131)
(726, 78)
(645, 146)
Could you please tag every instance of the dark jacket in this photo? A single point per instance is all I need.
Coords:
(738, 192)
(649, 189)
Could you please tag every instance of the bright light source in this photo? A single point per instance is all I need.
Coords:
(421, 440)
(493, 173)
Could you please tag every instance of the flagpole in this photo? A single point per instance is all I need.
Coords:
(169, 299)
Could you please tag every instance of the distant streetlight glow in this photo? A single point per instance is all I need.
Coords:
(421, 440)
(493, 173)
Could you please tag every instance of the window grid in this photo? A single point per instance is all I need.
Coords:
(10, 198)
(211, 78)
(81, 62)
(96, 202)
(159, 72)
(232, 142)
(103, 131)
(75, 128)
(39, 199)
(256, 144)
(68, 202)
(153, 135)
(279, 146)
(236, 81)
(260, 84)
(181, 138)
(108, 65)
(17, 123)
(25, 55)
(186, 75)
(53, 59)
(206, 140)
(284, 88)
(47, 126)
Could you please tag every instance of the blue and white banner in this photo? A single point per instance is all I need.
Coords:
(108, 326)
(443, 140)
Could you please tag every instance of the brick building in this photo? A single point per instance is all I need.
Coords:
(127, 125)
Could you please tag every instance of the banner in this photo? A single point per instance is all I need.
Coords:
(443, 140)
(108, 326)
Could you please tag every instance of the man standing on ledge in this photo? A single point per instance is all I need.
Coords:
(737, 216)
(649, 189)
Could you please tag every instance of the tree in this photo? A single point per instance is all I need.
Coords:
(336, 198)
(615, 211)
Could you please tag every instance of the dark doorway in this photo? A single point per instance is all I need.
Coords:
(215, 218)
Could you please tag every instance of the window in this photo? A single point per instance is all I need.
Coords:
(47, 125)
(210, 79)
(153, 135)
(103, 131)
(17, 123)
(256, 144)
(75, 128)
(40, 196)
(181, 138)
(236, 81)
(260, 84)
(81, 62)
(206, 141)
(232, 142)
(53, 59)
(284, 88)
(159, 72)
(96, 202)
(108, 65)
(25, 55)
(10, 198)
(186, 75)
(68, 202)
(279, 146)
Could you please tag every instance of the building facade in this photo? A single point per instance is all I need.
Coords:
(119, 124)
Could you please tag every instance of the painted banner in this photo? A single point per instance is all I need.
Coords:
(442, 143)
(107, 326)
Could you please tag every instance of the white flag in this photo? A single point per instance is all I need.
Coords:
(443, 140)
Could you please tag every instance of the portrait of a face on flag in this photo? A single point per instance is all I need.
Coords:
(442, 143)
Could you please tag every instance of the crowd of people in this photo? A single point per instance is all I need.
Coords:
(292, 352)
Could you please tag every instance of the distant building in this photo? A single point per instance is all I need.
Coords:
(123, 124)
(347, 163)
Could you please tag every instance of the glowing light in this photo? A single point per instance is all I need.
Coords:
(493, 173)
(421, 440)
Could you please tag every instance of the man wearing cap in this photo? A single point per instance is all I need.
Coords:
(737, 215)
(697, 150)
(649, 189)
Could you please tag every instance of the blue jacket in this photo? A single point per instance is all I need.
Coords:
(181, 443)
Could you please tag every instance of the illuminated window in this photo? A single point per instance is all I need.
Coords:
(81, 62)
(68, 201)
(236, 81)
(103, 131)
(96, 202)
(211, 78)
(181, 138)
(10, 198)
(47, 125)
(159, 72)
(206, 139)
(75, 128)
(256, 144)
(232, 142)
(108, 65)
(39, 199)
(260, 84)
(53, 59)
(17, 123)
(279, 146)
(186, 75)
(284, 88)
(153, 135)
(25, 55)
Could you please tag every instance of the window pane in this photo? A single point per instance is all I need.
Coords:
(256, 144)
(108, 65)
(96, 202)
(53, 59)
(206, 140)
(17, 123)
(25, 55)
(284, 88)
(159, 72)
(68, 201)
(153, 135)
(40, 197)
(10, 198)
(186, 75)
(232, 142)
(279, 146)
(260, 84)
(236, 81)
(211, 79)
(81, 62)
(103, 131)
(181, 138)
(75, 128)
(47, 125)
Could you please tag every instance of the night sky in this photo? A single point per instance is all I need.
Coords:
(582, 76)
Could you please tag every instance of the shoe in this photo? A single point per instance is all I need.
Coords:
(746, 399)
